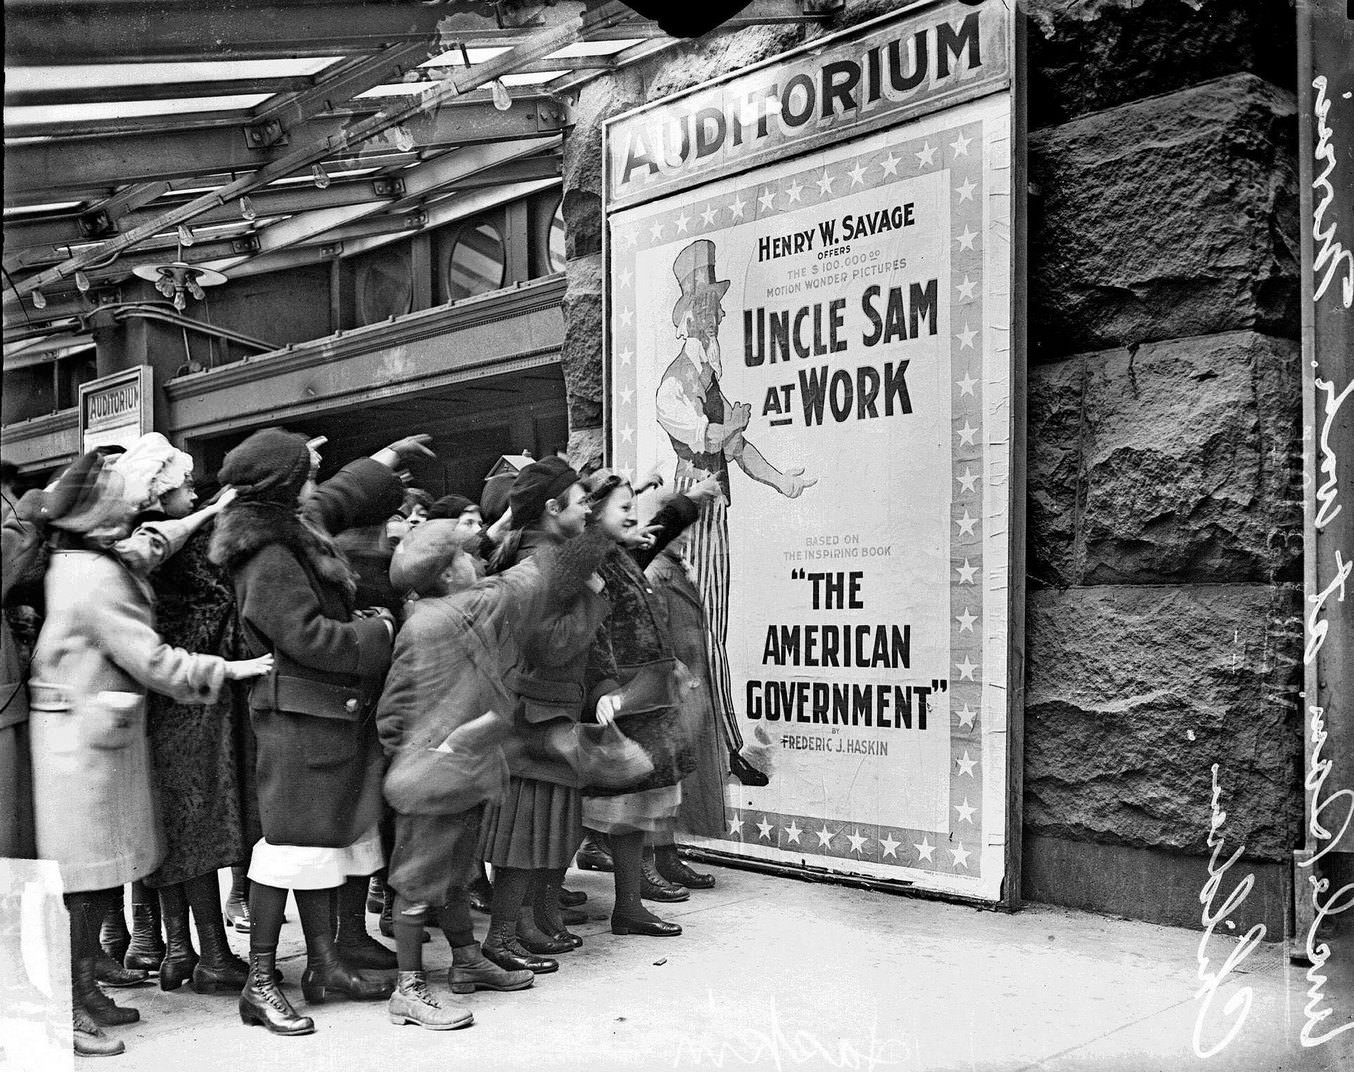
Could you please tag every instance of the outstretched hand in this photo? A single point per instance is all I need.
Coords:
(411, 447)
(704, 491)
(244, 669)
(793, 482)
(641, 536)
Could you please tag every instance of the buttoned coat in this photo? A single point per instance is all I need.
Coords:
(319, 763)
(96, 656)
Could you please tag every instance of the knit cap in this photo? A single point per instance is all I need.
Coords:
(272, 465)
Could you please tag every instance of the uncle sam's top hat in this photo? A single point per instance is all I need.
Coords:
(695, 270)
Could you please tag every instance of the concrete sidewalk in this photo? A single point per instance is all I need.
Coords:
(774, 973)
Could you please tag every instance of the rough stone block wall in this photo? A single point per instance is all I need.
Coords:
(1164, 515)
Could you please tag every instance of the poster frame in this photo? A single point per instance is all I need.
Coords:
(1008, 898)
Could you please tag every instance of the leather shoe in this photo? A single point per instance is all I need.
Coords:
(675, 870)
(502, 947)
(652, 927)
(654, 887)
(572, 898)
(745, 772)
(594, 854)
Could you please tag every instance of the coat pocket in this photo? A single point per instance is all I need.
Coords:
(112, 720)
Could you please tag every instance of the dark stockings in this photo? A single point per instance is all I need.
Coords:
(453, 918)
(627, 850)
(510, 890)
(267, 905)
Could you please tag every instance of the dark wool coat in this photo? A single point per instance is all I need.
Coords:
(202, 755)
(677, 603)
(319, 763)
(632, 648)
(547, 678)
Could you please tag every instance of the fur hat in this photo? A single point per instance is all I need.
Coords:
(536, 485)
(151, 468)
(272, 465)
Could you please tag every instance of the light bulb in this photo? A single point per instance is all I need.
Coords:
(165, 286)
(502, 100)
(321, 177)
(195, 290)
(247, 209)
(39, 300)
(186, 236)
(81, 282)
(180, 302)
(404, 141)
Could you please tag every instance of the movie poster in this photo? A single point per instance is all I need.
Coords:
(828, 337)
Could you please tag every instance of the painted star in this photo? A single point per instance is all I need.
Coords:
(965, 811)
(627, 434)
(966, 621)
(966, 482)
(966, 386)
(966, 289)
(626, 355)
(736, 827)
(890, 163)
(966, 337)
(824, 838)
(890, 846)
(794, 190)
(925, 849)
(926, 157)
(626, 276)
(627, 393)
(966, 715)
(966, 765)
(857, 841)
(965, 190)
(768, 200)
(627, 472)
(966, 572)
(966, 524)
(657, 230)
(965, 239)
(630, 238)
(825, 184)
(966, 669)
(961, 856)
(764, 827)
(966, 434)
(627, 315)
(857, 174)
(792, 832)
(682, 221)
(736, 207)
(960, 145)
(708, 216)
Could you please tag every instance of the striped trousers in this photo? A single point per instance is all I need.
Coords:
(707, 551)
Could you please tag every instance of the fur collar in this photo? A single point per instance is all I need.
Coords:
(243, 529)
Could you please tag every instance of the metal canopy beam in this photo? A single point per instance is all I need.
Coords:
(193, 152)
(531, 49)
(92, 32)
(146, 91)
(454, 208)
(425, 179)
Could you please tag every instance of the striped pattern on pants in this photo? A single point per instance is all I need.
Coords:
(707, 551)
